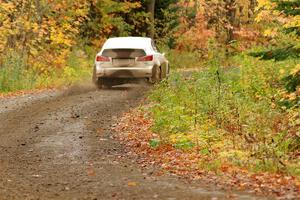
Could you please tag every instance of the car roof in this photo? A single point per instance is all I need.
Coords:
(127, 43)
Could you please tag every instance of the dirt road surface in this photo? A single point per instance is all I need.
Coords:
(51, 148)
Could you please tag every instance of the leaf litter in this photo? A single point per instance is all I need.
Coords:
(134, 132)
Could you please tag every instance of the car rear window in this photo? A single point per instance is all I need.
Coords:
(123, 53)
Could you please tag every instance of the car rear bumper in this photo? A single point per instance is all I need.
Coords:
(125, 72)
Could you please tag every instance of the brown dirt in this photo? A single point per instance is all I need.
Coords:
(59, 145)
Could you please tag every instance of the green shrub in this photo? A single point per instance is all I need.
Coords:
(230, 109)
(14, 75)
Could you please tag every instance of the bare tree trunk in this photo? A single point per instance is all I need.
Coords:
(231, 17)
(251, 10)
(151, 10)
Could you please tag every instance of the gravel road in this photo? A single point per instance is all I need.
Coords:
(59, 145)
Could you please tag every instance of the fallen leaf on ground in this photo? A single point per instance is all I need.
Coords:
(132, 184)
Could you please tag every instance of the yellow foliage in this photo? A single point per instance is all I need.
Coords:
(270, 33)
(293, 21)
(41, 32)
(296, 69)
(268, 13)
(267, 4)
(234, 155)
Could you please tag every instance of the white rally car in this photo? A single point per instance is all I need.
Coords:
(127, 58)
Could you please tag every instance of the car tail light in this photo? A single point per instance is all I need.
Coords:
(145, 58)
(102, 59)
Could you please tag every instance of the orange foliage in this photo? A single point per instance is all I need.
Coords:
(195, 37)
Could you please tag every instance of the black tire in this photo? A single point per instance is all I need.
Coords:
(156, 75)
(101, 83)
(104, 83)
(107, 83)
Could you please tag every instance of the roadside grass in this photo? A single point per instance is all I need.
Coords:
(231, 115)
(13, 74)
(183, 59)
(16, 75)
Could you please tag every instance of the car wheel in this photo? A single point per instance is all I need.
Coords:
(104, 83)
(156, 75)
(99, 83)
(107, 83)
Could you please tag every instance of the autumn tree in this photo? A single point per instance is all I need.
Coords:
(36, 28)
(221, 15)
(109, 18)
